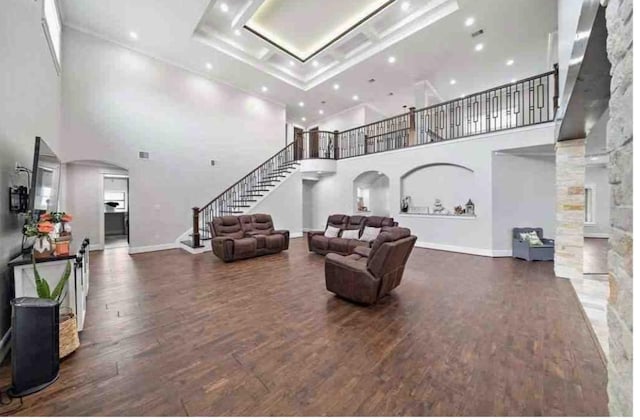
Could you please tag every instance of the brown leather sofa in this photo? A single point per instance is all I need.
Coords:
(322, 245)
(370, 273)
(246, 236)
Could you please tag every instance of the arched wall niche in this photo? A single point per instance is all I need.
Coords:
(451, 183)
(371, 193)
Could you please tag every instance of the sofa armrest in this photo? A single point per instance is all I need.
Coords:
(223, 247)
(310, 235)
(284, 233)
(362, 251)
(350, 279)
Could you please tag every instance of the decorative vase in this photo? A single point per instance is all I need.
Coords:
(43, 247)
(62, 245)
(69, 340)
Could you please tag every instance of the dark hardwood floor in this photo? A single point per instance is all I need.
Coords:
(169, 333)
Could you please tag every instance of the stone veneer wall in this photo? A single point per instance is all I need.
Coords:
(620, 147)
(570, 173)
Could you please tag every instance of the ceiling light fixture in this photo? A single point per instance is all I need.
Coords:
(405, 6)
(336, 86)
(452, 82)
(594, 158)
(209, 66)
(469, 21)
(292, 63)
(479, 47)
(300, 104)
(315, 63)
(510, 62)
(321, 112)
(133, 35)
(355, 97)
(391, 60)
(224, 7)
(237, 32)
(513, 80)
(304, 119)
(265, 89)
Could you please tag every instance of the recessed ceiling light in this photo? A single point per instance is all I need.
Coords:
(300, 104)
(209, 66)
(452, 82)
(594, 158)
(479, 47)
(315, 63)
(510, 62)
(224, 7)
(469, 21)
(237, 32)
(336, 86)
(133, 35)
(292, 63)
(391, 59)
(304, 119)
(321, 112)
(405, 6)
(390, 93)
(463, 96)
(355, 97)
(513, 80)
(265, 89)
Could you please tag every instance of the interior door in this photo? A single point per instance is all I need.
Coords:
(298, 143)
(314, 140)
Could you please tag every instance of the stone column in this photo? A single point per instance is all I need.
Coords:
(570, 173)
(620, 148)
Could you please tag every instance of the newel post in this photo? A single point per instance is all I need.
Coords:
(556, 87)
(196, 227)
(412, 126)
(336, 148)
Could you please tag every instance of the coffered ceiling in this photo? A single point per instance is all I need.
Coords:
(318, 57)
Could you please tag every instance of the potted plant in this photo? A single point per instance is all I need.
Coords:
(44, 245)
(62, 230)
(68, 329)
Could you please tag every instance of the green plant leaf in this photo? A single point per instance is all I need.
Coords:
(43, 289)
(57, 292)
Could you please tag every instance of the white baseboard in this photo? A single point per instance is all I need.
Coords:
(466, 250)
(96, 247)
(152, 248)
(597, 235)
(5, 345)
(293, 235)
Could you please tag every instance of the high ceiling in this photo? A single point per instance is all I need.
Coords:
(428, 39)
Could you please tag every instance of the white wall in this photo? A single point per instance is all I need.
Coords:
(523, 196)
(307, 204)
(344, 120)
(117, 102)
(597, 177)
(372, 115)
(284, 204)
(333, 194)
(29, 107)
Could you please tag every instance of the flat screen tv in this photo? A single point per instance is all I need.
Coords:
(45, 180)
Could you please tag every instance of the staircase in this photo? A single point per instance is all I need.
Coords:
(244, 194)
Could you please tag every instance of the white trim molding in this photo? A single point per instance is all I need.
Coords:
(152, 248)
(483, 252)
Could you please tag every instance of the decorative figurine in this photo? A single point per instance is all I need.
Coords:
(405, 203)
(470, 208)
(458, 210)
(438, 208)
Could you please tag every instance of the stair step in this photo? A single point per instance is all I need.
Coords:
(260, 191)
(252, 195)
(265, 184)
(244, 201)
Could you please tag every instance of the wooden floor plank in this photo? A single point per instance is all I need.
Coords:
(169, 333)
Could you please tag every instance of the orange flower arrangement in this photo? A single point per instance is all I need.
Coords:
(45, 227)
(46, 217)
(66, 218)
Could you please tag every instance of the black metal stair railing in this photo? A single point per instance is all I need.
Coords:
(245, 192)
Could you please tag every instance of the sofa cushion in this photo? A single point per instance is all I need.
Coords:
(338, 220)
(379, 221)
(261, 240)
(370, 234)
(339, 245)
(350, 234)
(356, 222)
(320, 242)
(262, 223)
(228, 226)
(332, 232)
(354, 243)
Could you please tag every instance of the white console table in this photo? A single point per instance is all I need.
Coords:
(51, 269)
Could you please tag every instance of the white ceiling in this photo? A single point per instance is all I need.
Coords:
(180, 32)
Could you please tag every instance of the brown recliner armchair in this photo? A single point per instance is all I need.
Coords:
(322, 245)
(370, 273)
(247, 236)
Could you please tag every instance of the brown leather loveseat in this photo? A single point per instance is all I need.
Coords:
(323, 245)
(246, 236)
(370, 273)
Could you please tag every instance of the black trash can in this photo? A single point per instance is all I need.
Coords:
(34, 344)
